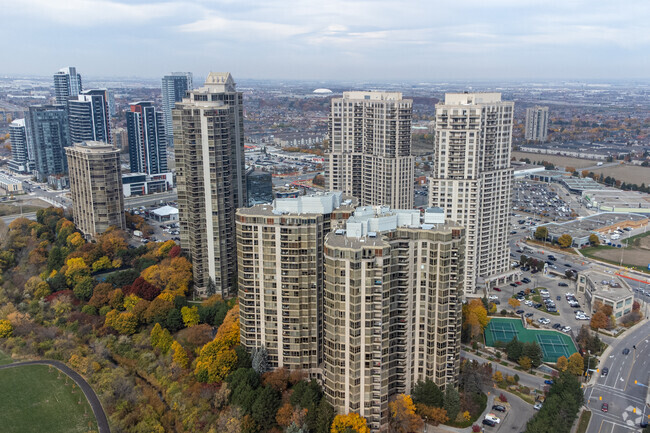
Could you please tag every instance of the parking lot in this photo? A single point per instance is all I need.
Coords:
(541, 199)
(162, 230)
(556, 305)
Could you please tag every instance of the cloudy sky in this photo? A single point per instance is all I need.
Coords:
(330, 39)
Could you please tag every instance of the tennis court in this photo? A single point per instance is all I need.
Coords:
(553, 343)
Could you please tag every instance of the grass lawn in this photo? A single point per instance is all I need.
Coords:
(4, 358)
(585, 417)
(34, 400)
(11, 209)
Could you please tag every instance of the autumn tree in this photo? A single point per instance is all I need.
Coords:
(190, 316)
(514, 303)
(179, 355)
(6, 328)
(525, 363)
(403, 418)
(594, 240)
(160, 338)
(217, 358)
(435, 415)
(599, 321)
(541, 233)
(284, 415)
(565, 241)
(350, 423)
(123, 322)
(476, 318)
(76, 270)
(576, 364)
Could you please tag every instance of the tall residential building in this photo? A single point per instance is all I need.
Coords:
(174, 89)
(259, 185)
(537, 123)
(50, 135)
(392, 308)
(280, 263)
(209, 151)
(472, 177)
(96, 187)
(146, 136)
(22, 152)
(370, 148)
(67, 84)
(89, 117)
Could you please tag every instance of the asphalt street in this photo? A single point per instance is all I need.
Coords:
(95, 404)
(9, 218)
(625, 387)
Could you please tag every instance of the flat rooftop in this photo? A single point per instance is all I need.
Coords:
(608, 285)
(616, 198)
(583, 227)
(576, 183)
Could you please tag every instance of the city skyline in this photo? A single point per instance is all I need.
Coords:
(320, 41)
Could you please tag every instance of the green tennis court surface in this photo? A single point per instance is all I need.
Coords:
(554, 344)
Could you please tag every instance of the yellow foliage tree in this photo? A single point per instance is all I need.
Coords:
(130, 301)
(77, 269)
(562, 363)
(101, 264)
(476, 318)
(217, 358)
(190, 316)
(514, 303)
(498, 377)
(163, 250)
(352, 421)
(6, 329)
(123, 322)
(179, 356)
(525, 363)
(171, 274)
(75, 240)
(403, 418)
(434, 415)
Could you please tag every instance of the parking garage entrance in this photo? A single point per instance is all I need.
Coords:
(554, 344)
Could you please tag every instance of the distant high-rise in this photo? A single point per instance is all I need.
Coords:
(89, 117)
(174, 88)
(67, 84)
(210, 173)
(146, 136)
(22, 152)
(472, 177)
(259, 185)
(96, 187)
(370, 142)
(537, 123)
(50, 135)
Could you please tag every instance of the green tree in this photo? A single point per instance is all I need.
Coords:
(534, 352)
(541, 233)
(594, 240)
(565, 241)
(427, 393)
(452, 402)
(83, 289)
(514, 349)
(266, 405)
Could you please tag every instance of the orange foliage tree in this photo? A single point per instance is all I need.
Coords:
(217, 358)
(403, 418)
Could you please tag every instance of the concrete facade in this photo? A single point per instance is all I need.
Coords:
(536, 124)
(96, 187)
(370, 148)
(472, 177)
(210, 176)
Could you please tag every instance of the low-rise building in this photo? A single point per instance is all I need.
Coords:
(10, 185)
(143, 184)
(600, 287)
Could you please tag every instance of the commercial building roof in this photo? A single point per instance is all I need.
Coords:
(165, 211)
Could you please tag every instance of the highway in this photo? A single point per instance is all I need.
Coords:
(625, 387)
(151, 199)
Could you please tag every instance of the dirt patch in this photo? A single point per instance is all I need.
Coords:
(13, 209)
(626, 173)
(637, 256)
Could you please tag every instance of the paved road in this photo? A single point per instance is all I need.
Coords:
(95, 404)
(151, 199)
(9, 218)
(618, 389)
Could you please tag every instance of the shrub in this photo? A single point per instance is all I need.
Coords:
(476, 428)
(89, 309)
(503, 398)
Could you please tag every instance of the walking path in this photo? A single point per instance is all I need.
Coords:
(95, 404)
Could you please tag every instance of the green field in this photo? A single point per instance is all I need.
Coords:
(4, 358)
(35, 398)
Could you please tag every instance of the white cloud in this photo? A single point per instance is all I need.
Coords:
(242, 29)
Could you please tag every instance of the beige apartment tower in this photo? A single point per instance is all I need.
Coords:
(280, 263)
(392, 310)
(370, 148)
(209, 154)
(472, 177)
(96, 187)
(536, 124)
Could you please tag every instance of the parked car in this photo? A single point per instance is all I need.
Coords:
(528, 315)
(604, 372)
(548, 382)
(563, 284)
(492, 417)
(499, 408)
(520, 311)
(496, 289)
(489, 422)
(604, 407)
(566, 329)
(558, 298)
(537, 406)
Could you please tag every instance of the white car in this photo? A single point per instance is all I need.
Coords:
(537, 406)
(566, 329)
(529, 303)
(493, 417)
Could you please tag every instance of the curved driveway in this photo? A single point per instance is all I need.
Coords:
(95, 404)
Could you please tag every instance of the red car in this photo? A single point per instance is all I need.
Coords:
(604, 407)
(496, 289)
(518, 283)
